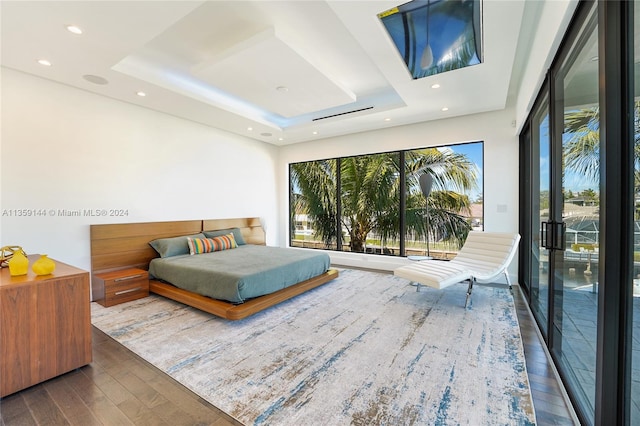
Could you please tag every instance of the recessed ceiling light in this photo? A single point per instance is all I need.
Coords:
(249, 128)
(44, 62)
(95, 79)
(435, 86)
(141, 93)
(445, 109)
(387, 119)
(74, 29)
(280, 139)
(315, 133)
(282, 89)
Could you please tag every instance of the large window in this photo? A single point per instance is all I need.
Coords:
(375, 204)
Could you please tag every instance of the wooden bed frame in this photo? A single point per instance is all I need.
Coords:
(121, 246)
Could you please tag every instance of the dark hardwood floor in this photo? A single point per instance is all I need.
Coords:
(546, 391)
(120, 388)
(117, 388)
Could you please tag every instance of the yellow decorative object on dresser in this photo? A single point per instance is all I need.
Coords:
(43, 266)
(18, 264)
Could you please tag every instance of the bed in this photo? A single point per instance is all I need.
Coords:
(269, 275)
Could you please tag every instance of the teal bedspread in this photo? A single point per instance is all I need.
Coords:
(241, 273)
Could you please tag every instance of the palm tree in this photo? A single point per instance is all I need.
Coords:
(582, 147)
(317, 185)
(453, 175)
(370, 196)
(581, 150)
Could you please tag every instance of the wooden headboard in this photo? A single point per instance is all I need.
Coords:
(126, 245)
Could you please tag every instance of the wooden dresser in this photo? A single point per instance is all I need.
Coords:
(45, 325)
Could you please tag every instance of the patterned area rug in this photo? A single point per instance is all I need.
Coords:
(364, 349)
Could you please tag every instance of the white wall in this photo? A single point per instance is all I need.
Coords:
(67, 149)
(550, 27)
(500, 167)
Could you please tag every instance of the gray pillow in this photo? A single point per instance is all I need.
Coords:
(237, 234)
(174, 246)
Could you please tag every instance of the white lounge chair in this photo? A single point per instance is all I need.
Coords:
(483, 258)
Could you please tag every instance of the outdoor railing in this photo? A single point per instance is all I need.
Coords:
(377, 250)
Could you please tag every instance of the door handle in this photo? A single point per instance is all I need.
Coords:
(559, 235)
(546, 235)
(552, 235)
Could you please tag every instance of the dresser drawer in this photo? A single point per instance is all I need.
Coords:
(122, 286)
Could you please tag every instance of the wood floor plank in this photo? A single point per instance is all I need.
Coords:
(200, 410)
(178, 406)
(139, 414)
(172, 414)
(100, 405)
(43, 409)
(540, 368)
(545, 399)
(545, 384)
(548, 419)
(143, 392)
(14, 411)
(69, 402)
(115, 391)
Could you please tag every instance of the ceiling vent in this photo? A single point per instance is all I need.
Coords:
(341, 113)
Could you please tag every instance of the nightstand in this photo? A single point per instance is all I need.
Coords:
(124, 285)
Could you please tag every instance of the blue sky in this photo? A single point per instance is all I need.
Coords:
(474, 152)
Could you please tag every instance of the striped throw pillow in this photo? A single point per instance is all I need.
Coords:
(208, 245)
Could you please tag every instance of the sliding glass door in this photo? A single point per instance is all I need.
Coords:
(582, 272)
(576, 193)
(541, 178)
(562, 204)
